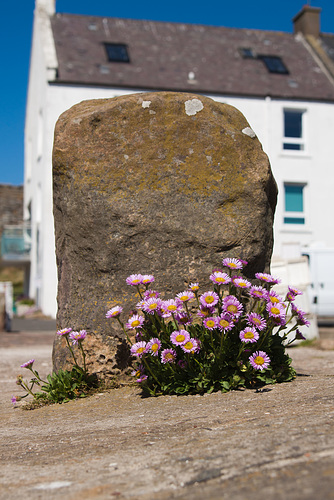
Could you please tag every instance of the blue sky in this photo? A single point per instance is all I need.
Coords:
(15, 37)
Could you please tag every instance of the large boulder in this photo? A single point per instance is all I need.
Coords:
(157, 183)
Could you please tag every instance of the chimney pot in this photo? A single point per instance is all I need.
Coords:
(307, 21)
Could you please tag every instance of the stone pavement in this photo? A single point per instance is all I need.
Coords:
(274, 444)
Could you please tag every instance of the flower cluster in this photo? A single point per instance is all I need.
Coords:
(233, 335)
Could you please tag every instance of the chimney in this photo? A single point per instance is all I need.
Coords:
(47, 6)
(307, 21)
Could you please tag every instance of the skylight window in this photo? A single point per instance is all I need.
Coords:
(274, 64)
(247, 53)
(117, 52)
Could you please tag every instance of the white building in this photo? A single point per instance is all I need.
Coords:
(281, 82)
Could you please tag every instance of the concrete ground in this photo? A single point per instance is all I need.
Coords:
(273, 444)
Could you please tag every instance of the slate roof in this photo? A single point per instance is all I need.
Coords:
(327, 42)
(163, 54)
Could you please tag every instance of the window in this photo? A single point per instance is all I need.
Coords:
(294, 203)
(117, 52)
(294, 130)
(247, 53)
(274, 64)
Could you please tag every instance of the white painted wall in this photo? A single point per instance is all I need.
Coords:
(314, 166)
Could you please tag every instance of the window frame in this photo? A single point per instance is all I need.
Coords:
(297, 215)
(295, 141)
(126, 60)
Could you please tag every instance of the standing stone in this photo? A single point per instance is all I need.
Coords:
(162, 183)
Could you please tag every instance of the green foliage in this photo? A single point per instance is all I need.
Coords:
(64, 385)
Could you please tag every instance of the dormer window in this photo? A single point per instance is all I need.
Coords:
(117, 52)
(274, 64)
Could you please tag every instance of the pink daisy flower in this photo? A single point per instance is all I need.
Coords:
(241, 282)
(225, 322)
(151, 294)
(134, 279)
(139, 348)
(28, 364)
(210, 323)
(259, 360)
(220, 278)
(152, 305)
(190, 346)
(185, 296)
(114, 312)
(77, 336)
(135, 321)
(258, 292)
(168, 356)
(153, 346)
(232, 306)
(179, 337)
(209, 299)
(274, 297)
(194, 287)
(64, 331)
(249, 334)
(257, 321)
(295, 291)
(232, 263)
(139, 373)
(182, 363)
(147, 279)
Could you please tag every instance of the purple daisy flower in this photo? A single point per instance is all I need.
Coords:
(258, 292)
(299, 335)
(194, 287)
(190, 346)
(77, 336)
(232, 263)
(152, 305)
(134, 279)
(220, 278)
(170, 307)
(151, 294)
(179, 337)
(182, 363)
(274, 297)
(249, 334)
(276, 310)
(300, 315)
(205, 312)
(114, 312)
(183, 318)
(257, 321)
(147, 279)
(135, 321)
(210, 323)
(139, 373)
(14, 400)
(225, 322)
(153, 346)
(259, 360)
(28, 364)
(64, 331)
(185, 296)
(268, 278)
(168, 356)
(139, 348)
(241, 282)
(232, 306)
(209, 299)
(295, 291)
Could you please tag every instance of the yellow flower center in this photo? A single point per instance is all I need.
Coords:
(232, 264)
(153, 306)
(188, 345)
(209, 299)
(221, 280)
(172, 307)
(135, 323)
(154, 347)
(241, 284)
(194, 288)
(232, 308)
(249, 335)
(184, 297)
(180, 338)
(169, 355)
(210, 323)
(140, 350)
(259, 360)
(135, 281)
(224, 323)
(257, 321)
(275, 310)
(274, 300)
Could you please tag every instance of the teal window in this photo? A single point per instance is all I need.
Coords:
(294, 204)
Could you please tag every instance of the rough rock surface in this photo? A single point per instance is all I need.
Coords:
(162, 183)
